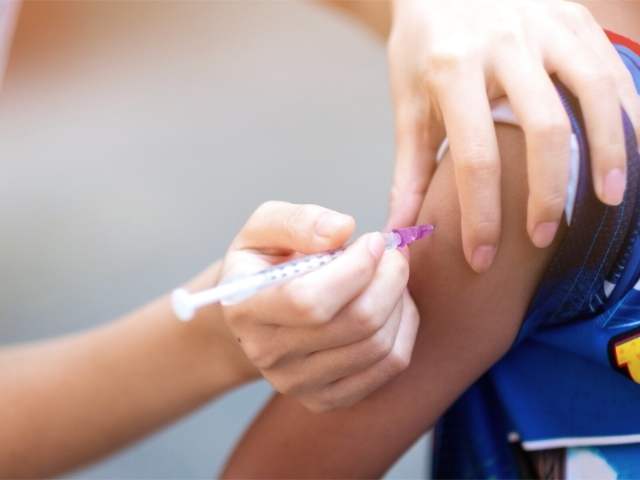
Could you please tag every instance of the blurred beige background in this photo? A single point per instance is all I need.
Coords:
(136, 139)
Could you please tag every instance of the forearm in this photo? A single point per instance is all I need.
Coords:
(68, 401)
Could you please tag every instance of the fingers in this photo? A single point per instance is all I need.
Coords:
(416, 147)
(323, 367)
(474, 149)
(363, 334)
(591, 33)
(300, 228)
(610, 60)
(539, 110)
(318, 296)
(315, 298)
(267, 339)
(349, 390)
(365, 315)
(581, 71)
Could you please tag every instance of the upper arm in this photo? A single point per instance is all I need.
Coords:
(467, 322)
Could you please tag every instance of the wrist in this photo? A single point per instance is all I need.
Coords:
(212, 337)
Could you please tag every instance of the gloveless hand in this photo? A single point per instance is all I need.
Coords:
(450, 58)
(334, 335)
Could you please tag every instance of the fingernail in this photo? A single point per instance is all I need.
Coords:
(331, 222)
(482, 258)
(613, 186)
(544, 233)
(376, 244)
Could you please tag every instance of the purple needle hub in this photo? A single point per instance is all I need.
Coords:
(408, 235)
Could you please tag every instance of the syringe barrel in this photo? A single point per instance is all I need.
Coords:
(236, 290)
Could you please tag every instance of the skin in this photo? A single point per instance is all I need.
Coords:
(330, 337)
(118, 382)
(89, 366)
(122, 381)
(463, 331)
(449, 58)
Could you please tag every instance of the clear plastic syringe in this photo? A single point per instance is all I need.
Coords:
(236, 290)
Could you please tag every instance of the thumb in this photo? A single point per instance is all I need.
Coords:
(301, 228)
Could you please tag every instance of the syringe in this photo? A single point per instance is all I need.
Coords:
(236, 290)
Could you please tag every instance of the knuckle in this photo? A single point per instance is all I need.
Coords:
(312, 406)
(315, 406)
(398, 362)
(304, 306)
(325, 400)
(551, 202)
(316, 313)
(365, 311)
(487, 226)
(444, 61)
(266, 360)
(475, 160)
(250, 350)
(262, 356)
(255, 353)
(288, 385)
(549, 128)
(381, 345)
(365, 315)
(487, 230)
(447, 56)
(295, 221)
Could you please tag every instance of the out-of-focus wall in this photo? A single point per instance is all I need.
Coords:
(136, 138)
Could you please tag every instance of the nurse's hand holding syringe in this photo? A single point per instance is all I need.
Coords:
(329, 337)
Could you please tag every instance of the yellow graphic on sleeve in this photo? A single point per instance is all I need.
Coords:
(627, 354)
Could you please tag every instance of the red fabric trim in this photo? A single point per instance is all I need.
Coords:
(624, 41)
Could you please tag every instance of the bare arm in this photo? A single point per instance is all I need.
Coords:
(68, 401)
(467, 322)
